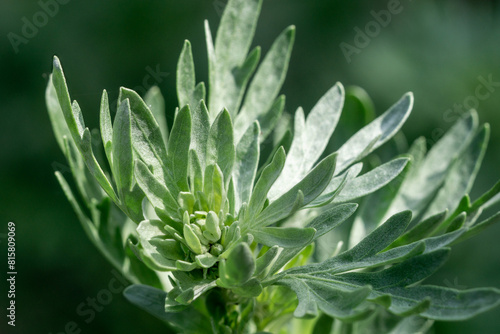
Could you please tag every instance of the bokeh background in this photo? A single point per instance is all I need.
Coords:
(437, 49)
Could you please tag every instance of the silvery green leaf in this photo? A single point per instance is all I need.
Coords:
(311, 186)
(156, 103)
(264, 262)
(266, 83)
(383, 128)
(158, 195)
(195, 172)
(342, 263)
(232, 43)
(375, 206)
(371, 181)
(331, 218)
(286, 237)
(56, 114)
(106, 128)
(417, 190)
(444, 303)
(206, 260)
(264, 183)
(239, 266)
(187, 90)
(169, 248)
(314, 294)
(220, 145)
(147, 139)
(323, 224)
(178, 151)
(311, 136)
(213, 187)
(72, 114)
(271, 118)
(245, 165)
(123, 159)
(249, 289)
(93, 165)
(200, 129)
(420, 231)
(147, 230)
(461, 176)
(335, 186)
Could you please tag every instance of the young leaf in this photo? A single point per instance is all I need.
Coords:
(232, 43)
(56, 115)
(147, 231)
(239, 266)
(266, 84)
(106, 128)
(186, 81)
(245, 165)
(264, 183)
(156, 103)
(220, 146)
(380, 238)
(122, 149)
(310, 138)
(178, 151)
(338, 303)
(158, 195)
(72, 114)
(93, 165)
(200, 129)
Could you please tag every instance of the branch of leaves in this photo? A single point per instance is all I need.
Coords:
(123, 141)
(464, 218)
(333, 287)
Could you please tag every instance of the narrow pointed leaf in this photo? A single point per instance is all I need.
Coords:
(384, 127)
(147, 139)
(312, 185)
(371, 181)
(156, 103)
(264, 183)
(178, 150)
(267, 82)
(220, 146)
(106, 128)
(286, 237)
(158, 195)
(310, 138)
(245, 165)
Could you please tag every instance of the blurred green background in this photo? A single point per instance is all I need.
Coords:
(438, 50)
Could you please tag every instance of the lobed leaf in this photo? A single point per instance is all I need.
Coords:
(156, 103)
(310, 138)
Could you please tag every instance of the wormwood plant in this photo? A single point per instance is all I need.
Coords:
(216, 222)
